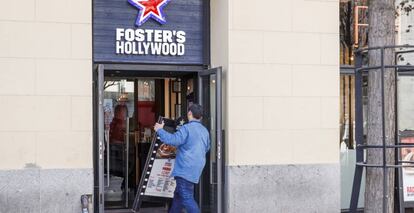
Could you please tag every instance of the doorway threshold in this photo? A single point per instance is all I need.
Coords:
(142, 210)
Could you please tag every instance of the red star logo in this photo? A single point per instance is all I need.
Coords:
(149, 8)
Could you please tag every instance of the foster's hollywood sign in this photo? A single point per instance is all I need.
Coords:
(150, 41)
(150, 31)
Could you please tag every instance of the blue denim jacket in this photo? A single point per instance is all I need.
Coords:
(193, 142)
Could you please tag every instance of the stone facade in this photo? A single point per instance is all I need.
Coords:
(46, 105)
(281, 62)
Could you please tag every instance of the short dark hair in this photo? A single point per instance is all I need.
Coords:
(196, 110)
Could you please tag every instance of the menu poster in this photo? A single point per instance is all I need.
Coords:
(156, 181)
(407, 154)
(160, 183)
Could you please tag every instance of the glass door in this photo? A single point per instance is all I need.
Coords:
(119, 99)
(115, 141)
(210, 189)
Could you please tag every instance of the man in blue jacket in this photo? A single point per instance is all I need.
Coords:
(193, 142)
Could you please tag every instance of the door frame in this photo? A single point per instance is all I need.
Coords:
(145, 70)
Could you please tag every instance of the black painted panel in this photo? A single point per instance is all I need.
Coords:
(185, 15)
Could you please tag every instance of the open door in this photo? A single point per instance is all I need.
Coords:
(210, 189)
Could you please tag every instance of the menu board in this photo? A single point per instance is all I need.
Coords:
(160, 183)
(156, 180)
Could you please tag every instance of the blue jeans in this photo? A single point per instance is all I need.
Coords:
(184, 197)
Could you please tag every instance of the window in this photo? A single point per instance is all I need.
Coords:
(353, 35)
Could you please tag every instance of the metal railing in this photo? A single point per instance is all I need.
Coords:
(360, 71)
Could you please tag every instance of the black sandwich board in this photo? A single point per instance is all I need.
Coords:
(156, 182)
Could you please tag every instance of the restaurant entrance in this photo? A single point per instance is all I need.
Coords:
(128, 100)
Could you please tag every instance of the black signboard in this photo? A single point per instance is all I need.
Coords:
(156, 181)
(151, 31)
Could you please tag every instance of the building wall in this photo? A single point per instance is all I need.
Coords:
(282, 74)
(281, 95)
(45, 105)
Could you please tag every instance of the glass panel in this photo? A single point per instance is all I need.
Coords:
(353, 28)
(353, 35)
(347, 109)
(146, 90)
(406, 130)
(347, 138)
(118, 111)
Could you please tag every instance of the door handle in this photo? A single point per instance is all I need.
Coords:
(211, 173)
(127, 164)
(107, 158)
(217, 157)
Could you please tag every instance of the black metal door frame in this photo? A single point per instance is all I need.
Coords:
(217, 72)
(147, 70)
